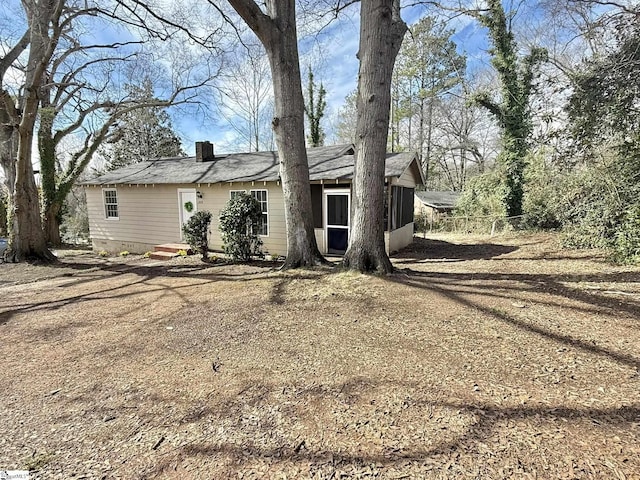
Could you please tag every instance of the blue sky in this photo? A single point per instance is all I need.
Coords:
(332, 54)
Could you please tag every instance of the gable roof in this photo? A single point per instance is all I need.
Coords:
(438, 200)
(325, 163)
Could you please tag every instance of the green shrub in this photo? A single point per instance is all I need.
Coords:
(627, 242)
(237, 221)
(196, 232)
(481, 202)
(540, 204)
(590, 208)
(482, 197)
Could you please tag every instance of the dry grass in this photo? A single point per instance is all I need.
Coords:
(480, 358)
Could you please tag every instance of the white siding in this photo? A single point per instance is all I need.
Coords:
(399, 238)
(146, 215)
(150, 215)
(216, 196)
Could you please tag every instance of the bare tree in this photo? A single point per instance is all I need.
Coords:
(245, 98)
(67, 91)
(381, 34)
(465, 139)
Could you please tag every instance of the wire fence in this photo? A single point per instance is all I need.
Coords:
(491, 225)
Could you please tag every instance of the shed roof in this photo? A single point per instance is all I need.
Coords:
(439, 200)
(325, 163)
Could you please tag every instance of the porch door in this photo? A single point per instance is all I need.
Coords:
(336, 203)
(187, 205)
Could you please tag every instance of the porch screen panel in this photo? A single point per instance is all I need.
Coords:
(401, 207)
(338, 210)
(316, 205)
(407, 206)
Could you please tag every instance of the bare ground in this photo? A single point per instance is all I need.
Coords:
(484, 358)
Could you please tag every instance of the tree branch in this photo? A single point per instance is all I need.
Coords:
(261, 24)
(14, 53)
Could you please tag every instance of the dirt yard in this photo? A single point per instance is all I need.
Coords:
(483, 358)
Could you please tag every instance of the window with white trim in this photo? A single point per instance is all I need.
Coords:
(110, 197)
(234, 193)
(262, 197)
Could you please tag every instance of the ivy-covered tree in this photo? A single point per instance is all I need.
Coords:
(314, 109)
(142, 133)
(512, 108)
(4, 201)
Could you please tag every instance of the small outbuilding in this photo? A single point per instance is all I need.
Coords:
(435, 205)
(145, 204)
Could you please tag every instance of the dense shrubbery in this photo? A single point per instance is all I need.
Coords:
(540, 205)
(482, 197)
(237, 221)
(196, 232)
(627, 241)
(602, 208)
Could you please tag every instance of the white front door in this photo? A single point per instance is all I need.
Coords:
(187, 205)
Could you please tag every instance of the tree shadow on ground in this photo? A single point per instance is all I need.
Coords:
(146, 277)
(464, 288)
(244, 448)
(424, 249)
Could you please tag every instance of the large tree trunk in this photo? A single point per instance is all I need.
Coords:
(277, 32)
(381, 34)
(52, 225)
(8, 153)
(26, 237)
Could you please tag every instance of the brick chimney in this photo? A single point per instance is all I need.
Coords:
(204, 152)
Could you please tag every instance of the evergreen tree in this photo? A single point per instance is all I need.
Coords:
(314, 109)
(428, 66)
(604, 104)
(142, 134)
(603, 209)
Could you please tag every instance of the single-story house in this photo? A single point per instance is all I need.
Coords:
(145, 204)
(434, 204)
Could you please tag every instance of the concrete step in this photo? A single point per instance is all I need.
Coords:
(160, 255)
(173, 248)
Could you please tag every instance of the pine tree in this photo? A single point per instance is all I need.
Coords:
(142, 134)
(428, 66)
